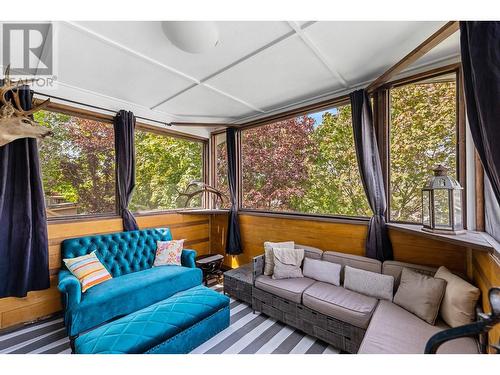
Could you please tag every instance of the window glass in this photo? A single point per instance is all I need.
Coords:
(221, 182)
(165, 166)
(77, 165)
(305, 164)
(422, 135)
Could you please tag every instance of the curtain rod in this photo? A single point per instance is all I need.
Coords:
(100, 108)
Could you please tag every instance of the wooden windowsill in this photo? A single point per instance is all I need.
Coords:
(480, 241)
(204, 211)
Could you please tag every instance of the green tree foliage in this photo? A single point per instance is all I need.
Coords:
(335, 183)
(422, 135)
(303, 166)
(164, 167)
(296, 165)
(77, 163)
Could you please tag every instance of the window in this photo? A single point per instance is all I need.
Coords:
(305, 164)
(423, 134)
(77, 165)
(165, 166)
(221, 182)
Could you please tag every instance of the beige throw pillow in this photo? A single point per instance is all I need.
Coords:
(287, 263)
(420, 294)
(369, 283)
(269, 258)
(460, 298)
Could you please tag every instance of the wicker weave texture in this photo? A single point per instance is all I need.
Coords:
(341, 335)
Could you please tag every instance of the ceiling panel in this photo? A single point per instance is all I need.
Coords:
(91, 64)
(279, 75)
(236, 39)
(361, 51)
(203, 102)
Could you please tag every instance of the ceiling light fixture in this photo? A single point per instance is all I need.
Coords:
(192, 36)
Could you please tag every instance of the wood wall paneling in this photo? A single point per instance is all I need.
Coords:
(486, 274)
(342, 237)
(13, 311)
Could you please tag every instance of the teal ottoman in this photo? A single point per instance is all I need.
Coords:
(175, 325)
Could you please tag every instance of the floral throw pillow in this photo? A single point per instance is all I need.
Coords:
(168, 253)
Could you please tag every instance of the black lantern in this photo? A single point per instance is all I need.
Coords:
(442, 204)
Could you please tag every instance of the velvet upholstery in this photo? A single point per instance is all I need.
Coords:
(175, 325)
(128, 256)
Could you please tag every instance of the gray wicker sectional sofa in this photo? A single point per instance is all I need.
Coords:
(350, 321)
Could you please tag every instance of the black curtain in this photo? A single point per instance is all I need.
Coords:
(124, 125)
(378, 244)
(233, 242)
(480, 50)
(24, 259)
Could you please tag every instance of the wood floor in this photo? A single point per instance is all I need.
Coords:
(248, 333)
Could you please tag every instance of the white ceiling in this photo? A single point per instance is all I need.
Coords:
(256, 69)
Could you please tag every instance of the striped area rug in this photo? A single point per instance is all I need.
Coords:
(248, 333)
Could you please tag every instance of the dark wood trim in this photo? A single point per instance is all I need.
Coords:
(381, 120)
(443, 33)
(305, 216)
(55, 220)
(85, 218)
(335, 102)
(461, 142)
(107, 118)
(199, 124)
(78, 112)
(479, 182)
(206, 172)
(169, 132)
(460, 128)
(471, 239)
(432, 73)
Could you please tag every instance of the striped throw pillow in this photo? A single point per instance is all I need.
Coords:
(88, 269)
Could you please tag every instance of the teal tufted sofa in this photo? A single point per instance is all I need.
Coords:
(129, 257)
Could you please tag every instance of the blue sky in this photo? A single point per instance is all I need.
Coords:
(318, 116)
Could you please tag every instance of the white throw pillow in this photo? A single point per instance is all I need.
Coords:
(269, 258)
(369, 283)
(321, 270)
(287, 263)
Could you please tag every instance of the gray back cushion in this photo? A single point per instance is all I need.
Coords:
(354, 261)
(310, 252)
(394, 268)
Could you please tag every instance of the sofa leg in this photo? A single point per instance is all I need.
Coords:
(72, 343)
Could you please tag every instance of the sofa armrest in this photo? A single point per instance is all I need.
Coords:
(70, 286)
(188, 258)
(258, 267)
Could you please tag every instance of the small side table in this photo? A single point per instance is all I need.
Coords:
(210, 265)
(238, 283)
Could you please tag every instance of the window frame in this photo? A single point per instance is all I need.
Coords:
(383, 124)
(204, 161)
(109, 119)
(321, 106)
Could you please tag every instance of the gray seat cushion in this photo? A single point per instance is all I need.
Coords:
(340, 303)
(394, 330)
(290, 289)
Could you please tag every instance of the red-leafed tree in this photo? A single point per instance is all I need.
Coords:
(275, 160)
